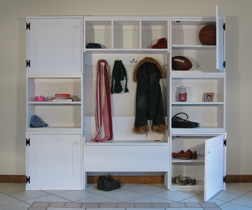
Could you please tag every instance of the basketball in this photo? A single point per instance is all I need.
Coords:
(207, 35)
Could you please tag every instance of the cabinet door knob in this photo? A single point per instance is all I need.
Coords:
(209, 151)
(76, 143)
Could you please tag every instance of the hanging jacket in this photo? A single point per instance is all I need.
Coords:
(149, 102)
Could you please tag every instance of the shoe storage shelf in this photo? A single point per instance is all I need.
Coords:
(60, 61)
(208, 169)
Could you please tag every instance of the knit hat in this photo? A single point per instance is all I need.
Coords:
(161, 43)
(119, 73)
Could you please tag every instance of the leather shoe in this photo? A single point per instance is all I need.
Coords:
(181, 155)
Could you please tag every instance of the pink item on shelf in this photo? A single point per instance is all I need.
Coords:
(39, 98)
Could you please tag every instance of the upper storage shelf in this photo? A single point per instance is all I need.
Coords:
(185, 41)
(125, 34)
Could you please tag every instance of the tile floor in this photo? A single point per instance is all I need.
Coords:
(13, 196)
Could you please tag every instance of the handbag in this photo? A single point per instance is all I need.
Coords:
(178, 122)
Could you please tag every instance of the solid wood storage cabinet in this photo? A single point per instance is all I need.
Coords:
(58, 61)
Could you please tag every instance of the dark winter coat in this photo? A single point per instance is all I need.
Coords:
(149, 102)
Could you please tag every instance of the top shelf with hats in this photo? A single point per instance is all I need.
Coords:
(137, 34)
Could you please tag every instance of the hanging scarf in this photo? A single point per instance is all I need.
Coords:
(119, 73)
(103, 114)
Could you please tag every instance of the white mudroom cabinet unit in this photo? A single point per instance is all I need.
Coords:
(62, 154)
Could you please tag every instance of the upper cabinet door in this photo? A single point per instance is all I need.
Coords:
(220, 55)
(54, 45)
(215, 153)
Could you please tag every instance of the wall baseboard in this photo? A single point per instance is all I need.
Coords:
(12, 178)
(128, 179)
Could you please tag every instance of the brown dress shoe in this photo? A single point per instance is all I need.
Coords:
(181, 155)
(193, 155)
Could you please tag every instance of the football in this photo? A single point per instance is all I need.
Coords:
(181, 63)
(207, 35)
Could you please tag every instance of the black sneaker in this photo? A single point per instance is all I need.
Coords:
(110, 184)
(100, 182)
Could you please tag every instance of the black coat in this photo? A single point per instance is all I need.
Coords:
(149, 102)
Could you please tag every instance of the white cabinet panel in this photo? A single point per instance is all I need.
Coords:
(220, 36)
(215, 154)
(126, 158)
(55, 45)
(54, 162)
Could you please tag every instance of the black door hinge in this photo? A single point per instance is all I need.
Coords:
(27, 179)
(224, 179)
(225, 142)
(224, 64)
(28, 142)
(28, 26)
(28, 63)
(224, 26)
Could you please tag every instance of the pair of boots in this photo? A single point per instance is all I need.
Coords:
(107, 183)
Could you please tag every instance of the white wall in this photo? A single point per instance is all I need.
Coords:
(12, 66)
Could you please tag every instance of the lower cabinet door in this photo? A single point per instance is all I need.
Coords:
(215, 166)
(53, 162)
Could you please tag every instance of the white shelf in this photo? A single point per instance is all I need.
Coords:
(54, 103)
(194, 47)
(200, 159)
(199, 186)
(196, 103)
(121, 50)
(55, 130)
(128, 143)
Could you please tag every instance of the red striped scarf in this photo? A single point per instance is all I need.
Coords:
(103, 114)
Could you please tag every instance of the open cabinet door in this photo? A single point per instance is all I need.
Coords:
(220, 36)
(215, 153)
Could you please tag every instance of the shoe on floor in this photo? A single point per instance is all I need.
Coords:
(182, 155)
(110, 184)
(100, 182)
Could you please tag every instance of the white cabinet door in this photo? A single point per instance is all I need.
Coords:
(53, 162)
(54, 45)
(215, 153)
(220, 36)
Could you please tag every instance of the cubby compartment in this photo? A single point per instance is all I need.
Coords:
(209, 116)
(203, 59)
(126, 34)
(49, 86)
(186, 31)
(56, 115)
(207, 168)
(99, 31)
(152, 31)
(197, 87)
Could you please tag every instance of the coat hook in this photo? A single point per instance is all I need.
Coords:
(133, 60)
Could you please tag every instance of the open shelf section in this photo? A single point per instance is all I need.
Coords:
(185, 31)
(121, 34)
(196, 87)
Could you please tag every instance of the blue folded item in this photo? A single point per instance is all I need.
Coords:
(93, 45)
(36, 122)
